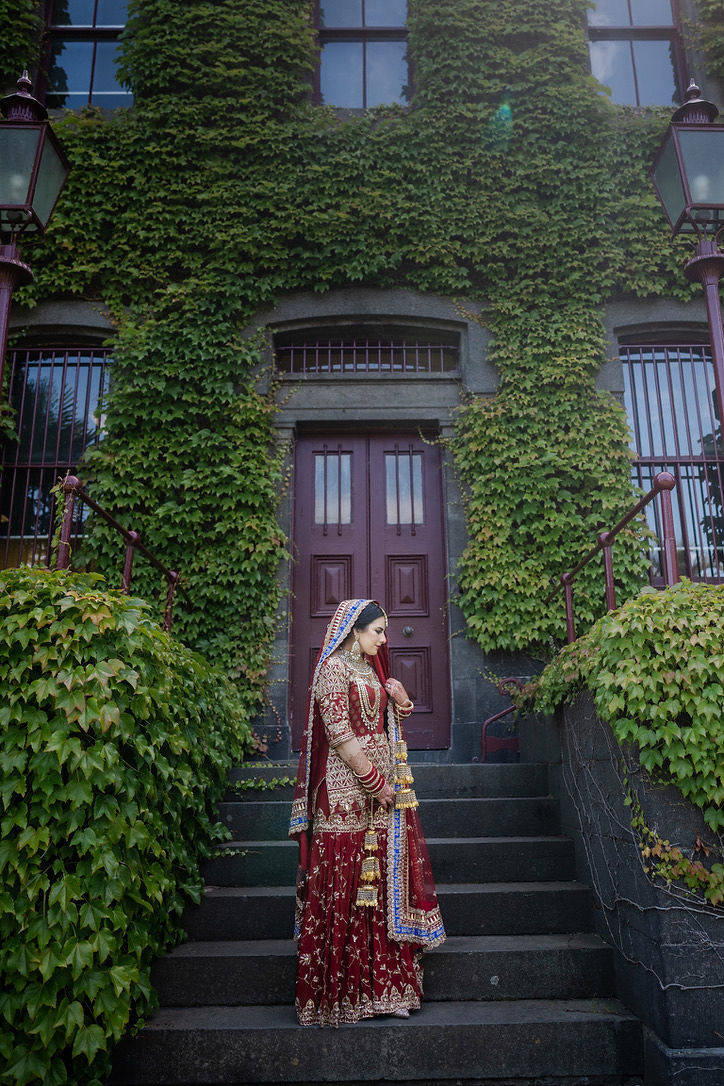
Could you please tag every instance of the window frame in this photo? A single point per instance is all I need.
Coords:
(681, 461)
(91, 33)
(664, 32)
(366, 34)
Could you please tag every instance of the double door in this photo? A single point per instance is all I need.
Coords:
(369, 523)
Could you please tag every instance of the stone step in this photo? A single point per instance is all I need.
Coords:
(477, 967)
(461, 781)
(444, 1040)
(513, 908)
(519, 816)
(462, 859)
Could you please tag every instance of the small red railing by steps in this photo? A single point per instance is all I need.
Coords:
(73, 488)
(664, 483)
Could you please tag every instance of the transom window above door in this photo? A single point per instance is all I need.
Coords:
(636, 51)
(84, 43)
(367, 350)
(363, 53)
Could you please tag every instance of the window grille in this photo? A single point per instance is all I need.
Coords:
(636, 50)
(363, 55)
(671, 404)
(83, 52)
(57, 397)
(428, 352)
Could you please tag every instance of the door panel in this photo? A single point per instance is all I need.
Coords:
(368, 523)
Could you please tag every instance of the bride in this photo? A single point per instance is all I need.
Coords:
(366, 902)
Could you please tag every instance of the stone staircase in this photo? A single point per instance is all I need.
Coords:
(521, 992)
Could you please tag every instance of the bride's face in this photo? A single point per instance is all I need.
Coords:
(372, 636)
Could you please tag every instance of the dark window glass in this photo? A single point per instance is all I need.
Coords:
(636, 51)
(83, 54)
(363, 56)
(671, 405)
(57, 397)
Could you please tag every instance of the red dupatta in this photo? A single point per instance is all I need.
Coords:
(413, 912)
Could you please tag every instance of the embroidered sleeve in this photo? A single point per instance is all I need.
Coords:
(333, 697)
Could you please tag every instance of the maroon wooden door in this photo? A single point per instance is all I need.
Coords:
(368, 523)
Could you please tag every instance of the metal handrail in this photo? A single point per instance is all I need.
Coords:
(73, 488)
(664, 483)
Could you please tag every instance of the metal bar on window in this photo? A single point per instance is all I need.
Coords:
(412, 497)
(339, 490)
(324, 489)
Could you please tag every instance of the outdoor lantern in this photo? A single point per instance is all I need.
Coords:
(688, 172)
(33, 167)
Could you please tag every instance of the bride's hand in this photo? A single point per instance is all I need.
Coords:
(386, 797)
(397, 691)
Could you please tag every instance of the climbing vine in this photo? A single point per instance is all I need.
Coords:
(509, 179)
(655, 669)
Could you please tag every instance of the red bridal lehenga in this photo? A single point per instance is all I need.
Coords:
(361, 926)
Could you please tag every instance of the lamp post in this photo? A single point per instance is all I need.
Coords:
(33, 171)
(688, 175)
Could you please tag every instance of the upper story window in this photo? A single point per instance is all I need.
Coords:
(83, 52)
(366, 350)
(363, 55)
(636, 51)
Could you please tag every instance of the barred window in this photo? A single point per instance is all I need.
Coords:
(57, 396)
(636, 51)
(671, 404)
(363, 52)
(364, 350)
(83, 54)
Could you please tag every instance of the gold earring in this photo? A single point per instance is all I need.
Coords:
(356, 650)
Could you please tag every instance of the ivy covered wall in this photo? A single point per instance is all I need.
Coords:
(510, 180)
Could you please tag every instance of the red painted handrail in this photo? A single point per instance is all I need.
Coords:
(73, 488)
(664, 483)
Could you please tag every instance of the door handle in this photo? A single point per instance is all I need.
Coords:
(408, 631)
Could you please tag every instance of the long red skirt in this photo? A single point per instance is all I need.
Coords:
(347, 967)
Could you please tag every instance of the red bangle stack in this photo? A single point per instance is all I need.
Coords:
(372, 781)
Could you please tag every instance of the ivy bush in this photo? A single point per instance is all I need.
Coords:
(655, 669)
(115, 745)
(510, 179)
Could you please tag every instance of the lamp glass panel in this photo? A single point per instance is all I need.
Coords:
(51, 176)
(655, 73)
(668, 181)
(71, 63)
(612, 65)
(652, 13)
(73, 13)
(385, 12)
(386, 72)
(609, 13)
(17, 155)
(111, 13)
(341, 12)
(342, 73)
(702, 151)
(107, 91)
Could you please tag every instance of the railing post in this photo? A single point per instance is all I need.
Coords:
(70, 485)
(133, 538)
(664, 483)
(606, 539)
(168, 613)
(567, 582)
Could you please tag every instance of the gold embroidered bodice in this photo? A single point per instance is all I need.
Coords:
(352, 704)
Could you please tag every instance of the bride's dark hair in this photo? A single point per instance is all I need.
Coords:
(370, 613)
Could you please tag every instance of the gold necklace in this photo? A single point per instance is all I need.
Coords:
(370, 709)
